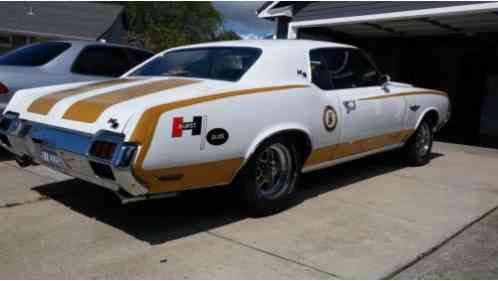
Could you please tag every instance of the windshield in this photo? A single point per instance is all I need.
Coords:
(34, 55)
(221, 63)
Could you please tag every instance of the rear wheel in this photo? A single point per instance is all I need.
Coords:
(419, 146)
(271, 176)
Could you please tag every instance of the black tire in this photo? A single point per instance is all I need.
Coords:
(264, 199)
(418, 148)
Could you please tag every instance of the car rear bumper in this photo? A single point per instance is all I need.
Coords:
(73, 153)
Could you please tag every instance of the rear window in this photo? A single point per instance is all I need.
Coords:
(34, 55)
(220, 63)
(102, 61)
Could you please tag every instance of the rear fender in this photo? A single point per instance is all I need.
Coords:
(269, 133)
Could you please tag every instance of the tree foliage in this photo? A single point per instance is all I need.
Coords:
(162, 25)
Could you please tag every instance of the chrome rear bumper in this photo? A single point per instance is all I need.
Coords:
(28, 139)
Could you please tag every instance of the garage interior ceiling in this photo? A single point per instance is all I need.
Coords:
(427, 26)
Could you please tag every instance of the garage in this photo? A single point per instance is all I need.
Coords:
(449, 46)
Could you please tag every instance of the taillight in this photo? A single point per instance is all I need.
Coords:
(3, 89)
(103, 149)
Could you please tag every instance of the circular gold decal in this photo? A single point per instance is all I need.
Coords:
(329, 118)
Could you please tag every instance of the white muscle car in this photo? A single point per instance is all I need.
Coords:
(255, 112)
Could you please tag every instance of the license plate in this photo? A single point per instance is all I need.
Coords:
(52, 159)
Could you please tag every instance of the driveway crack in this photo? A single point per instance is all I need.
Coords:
(15, 204)
(438, 246)
(335, 276)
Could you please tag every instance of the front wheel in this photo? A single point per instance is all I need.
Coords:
(419, 146)
(271, 176)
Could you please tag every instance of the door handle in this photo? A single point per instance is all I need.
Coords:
(350, 105)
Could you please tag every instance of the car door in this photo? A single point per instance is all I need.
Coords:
(367, 109)
(324, 112)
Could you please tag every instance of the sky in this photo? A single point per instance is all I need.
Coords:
(239, 16)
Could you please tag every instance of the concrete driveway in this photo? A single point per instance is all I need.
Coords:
(372, 218)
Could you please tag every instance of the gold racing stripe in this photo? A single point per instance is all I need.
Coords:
(437, 93)
(90, 109)
(337, 151)
(222, 171)
(44, 104)
(195, 175)
(213, 173)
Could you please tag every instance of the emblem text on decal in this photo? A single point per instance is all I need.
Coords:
(113, 123)
(217, 136)
(302, 73)
(329, 118)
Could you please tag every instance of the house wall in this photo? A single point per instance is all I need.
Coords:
(282, 26)
(115, 34)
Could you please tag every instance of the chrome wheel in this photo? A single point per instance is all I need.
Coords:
(423, 139)
(273, 171)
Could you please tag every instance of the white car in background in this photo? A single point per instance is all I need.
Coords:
(58, 62)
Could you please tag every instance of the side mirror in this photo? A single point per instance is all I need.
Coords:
(385, 78)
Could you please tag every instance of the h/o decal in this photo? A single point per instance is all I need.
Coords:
(179, 126)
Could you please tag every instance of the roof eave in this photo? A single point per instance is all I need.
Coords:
(44, 34)
(271, 12)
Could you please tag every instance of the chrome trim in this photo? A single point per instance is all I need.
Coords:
(29, 138)
(350, 105)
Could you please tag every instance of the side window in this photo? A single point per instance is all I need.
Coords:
(231, 64)
(186, 63)
(101, 61)
(179, 64)
(320, 76)
(350, 68)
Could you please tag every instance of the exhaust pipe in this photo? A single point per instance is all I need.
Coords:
(125, 198)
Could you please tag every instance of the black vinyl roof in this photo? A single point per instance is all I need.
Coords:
(78, 20)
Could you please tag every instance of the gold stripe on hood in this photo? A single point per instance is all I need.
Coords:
(45, 103)
(90, 109)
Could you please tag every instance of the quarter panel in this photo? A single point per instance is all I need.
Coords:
(246, 118)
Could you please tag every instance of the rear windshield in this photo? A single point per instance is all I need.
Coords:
(221, 63)
(36, 54)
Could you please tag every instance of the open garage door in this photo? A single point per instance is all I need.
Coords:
(456, 53)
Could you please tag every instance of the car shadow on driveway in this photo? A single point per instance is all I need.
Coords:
(159, 221)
